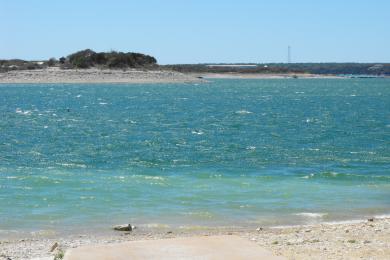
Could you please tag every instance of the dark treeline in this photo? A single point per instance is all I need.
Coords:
(312, 68)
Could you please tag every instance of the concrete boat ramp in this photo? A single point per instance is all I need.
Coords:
(201, 247)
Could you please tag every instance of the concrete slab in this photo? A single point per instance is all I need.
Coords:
(204, 247)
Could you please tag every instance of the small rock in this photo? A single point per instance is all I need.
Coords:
(169, 232)
(53, 247)
(366, 242)
(126, 227)
(370, 219)
(346, 231)
(308, 230)
(259, 229)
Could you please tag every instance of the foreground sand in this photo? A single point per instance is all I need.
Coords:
(56, 75)
(362, 240)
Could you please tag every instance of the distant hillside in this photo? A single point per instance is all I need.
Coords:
(85, 59)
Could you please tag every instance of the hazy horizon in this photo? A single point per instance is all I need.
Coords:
(195, 32)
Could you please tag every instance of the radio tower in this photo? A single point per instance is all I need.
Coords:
(289, 54)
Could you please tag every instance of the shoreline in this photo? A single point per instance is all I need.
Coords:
(100, 229)
(55, 75)
(369, 238)
(265, 76)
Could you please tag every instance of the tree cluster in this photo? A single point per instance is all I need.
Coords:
(88, 58)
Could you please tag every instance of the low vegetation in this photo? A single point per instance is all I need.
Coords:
(85, 59)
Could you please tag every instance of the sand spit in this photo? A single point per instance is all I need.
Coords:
(357, 240)
(56, 75)
(265, 76)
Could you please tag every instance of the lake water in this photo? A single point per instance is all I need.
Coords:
(225, 153)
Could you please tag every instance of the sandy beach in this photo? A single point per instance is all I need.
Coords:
(354, 240)
(93, 75)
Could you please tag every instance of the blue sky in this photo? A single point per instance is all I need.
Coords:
(196, 31)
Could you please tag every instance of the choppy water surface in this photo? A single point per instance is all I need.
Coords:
(225, 153)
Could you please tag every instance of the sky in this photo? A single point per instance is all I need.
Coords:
(199, 31)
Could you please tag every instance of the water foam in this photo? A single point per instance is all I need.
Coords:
(311, 214)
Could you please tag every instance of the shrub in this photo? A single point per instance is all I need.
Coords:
(51, 62)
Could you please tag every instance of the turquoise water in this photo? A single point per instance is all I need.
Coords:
(223, 153)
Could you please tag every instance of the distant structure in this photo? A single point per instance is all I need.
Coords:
(289, 54)
(232, 65)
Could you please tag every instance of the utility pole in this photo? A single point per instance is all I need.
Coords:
(289, 54)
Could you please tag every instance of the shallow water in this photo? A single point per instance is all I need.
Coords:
(223, 153)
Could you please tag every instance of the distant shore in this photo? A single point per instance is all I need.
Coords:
(368, 239)
(263, 76)
(56, 75)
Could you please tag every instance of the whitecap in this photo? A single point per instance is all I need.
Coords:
(197, 132)
(21, 112)
(243, 112)
(154, 178)
(148, 177)
(72, 165)
(308, 176)
(103, 103)
(251, 148)
(87, 197)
